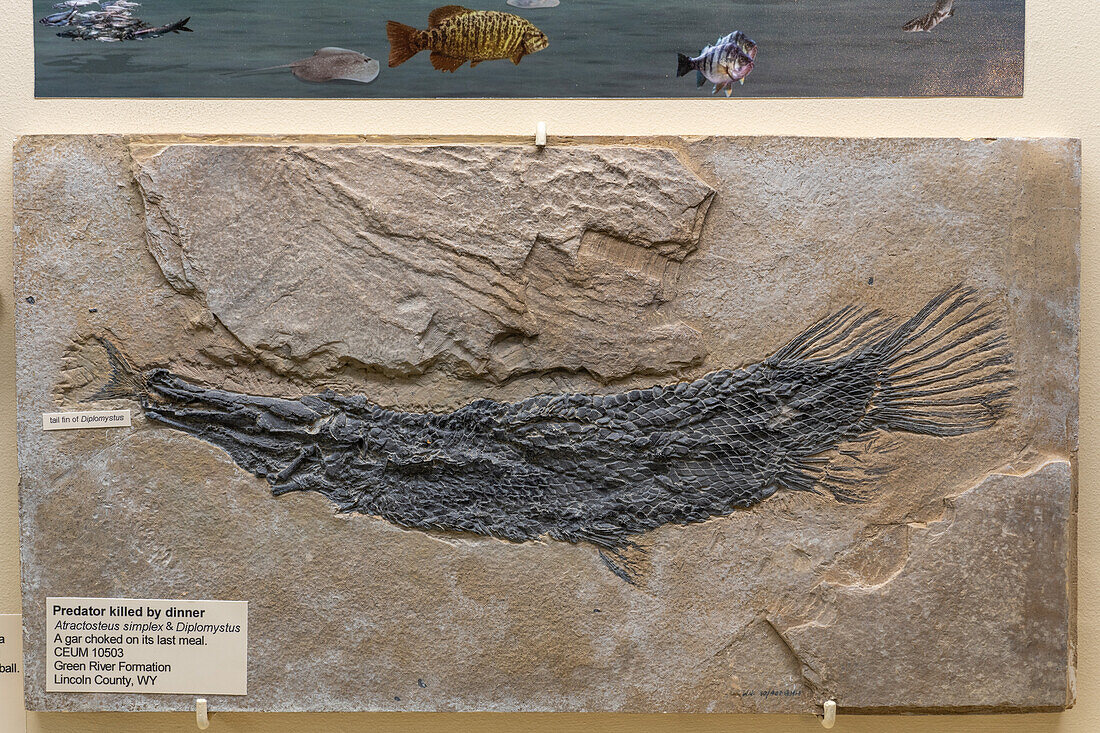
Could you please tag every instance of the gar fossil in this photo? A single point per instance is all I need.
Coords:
(604, 468)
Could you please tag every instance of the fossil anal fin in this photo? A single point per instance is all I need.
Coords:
(626, 562)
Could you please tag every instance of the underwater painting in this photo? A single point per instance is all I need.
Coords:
(529, 48)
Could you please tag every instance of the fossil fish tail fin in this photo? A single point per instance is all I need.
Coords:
(947, 371)
(123, 381)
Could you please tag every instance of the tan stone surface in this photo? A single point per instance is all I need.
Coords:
(450, 259)
(798, 595)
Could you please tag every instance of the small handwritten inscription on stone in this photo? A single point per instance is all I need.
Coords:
(766, 694)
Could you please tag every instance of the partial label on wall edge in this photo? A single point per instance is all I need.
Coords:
(13, 715)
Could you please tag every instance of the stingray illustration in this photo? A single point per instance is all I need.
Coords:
(604, 469)
(330, 63)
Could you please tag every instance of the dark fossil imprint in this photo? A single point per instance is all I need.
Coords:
(604, 468)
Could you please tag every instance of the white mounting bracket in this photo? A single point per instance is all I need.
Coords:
(202, 714)
(829, 720)
(540, 135)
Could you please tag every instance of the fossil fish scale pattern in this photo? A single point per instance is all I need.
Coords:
(605, 468)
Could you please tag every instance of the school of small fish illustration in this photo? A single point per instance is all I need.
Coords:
(113, 22)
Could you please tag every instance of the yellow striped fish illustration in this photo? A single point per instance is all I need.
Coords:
(456, 35)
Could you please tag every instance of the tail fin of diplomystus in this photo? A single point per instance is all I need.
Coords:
(122, 381)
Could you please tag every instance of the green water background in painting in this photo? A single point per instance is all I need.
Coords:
(598, 48)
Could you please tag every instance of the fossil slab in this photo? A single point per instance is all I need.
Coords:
(633, 425)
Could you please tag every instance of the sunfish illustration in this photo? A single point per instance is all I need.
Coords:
(943, 10)
(456, 35)
(729, 60)
(329, 64)
(603, 469)
(746, 44)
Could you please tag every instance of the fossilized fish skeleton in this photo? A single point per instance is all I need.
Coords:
(456, 35)
(605, 468)
(943, 10)
(729, 60)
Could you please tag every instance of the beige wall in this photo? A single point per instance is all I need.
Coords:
(1062, 99)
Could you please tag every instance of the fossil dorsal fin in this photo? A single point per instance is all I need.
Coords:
(440, 15)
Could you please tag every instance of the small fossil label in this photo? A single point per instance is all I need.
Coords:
(147, 646)
(80, 420)
(12, 716)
